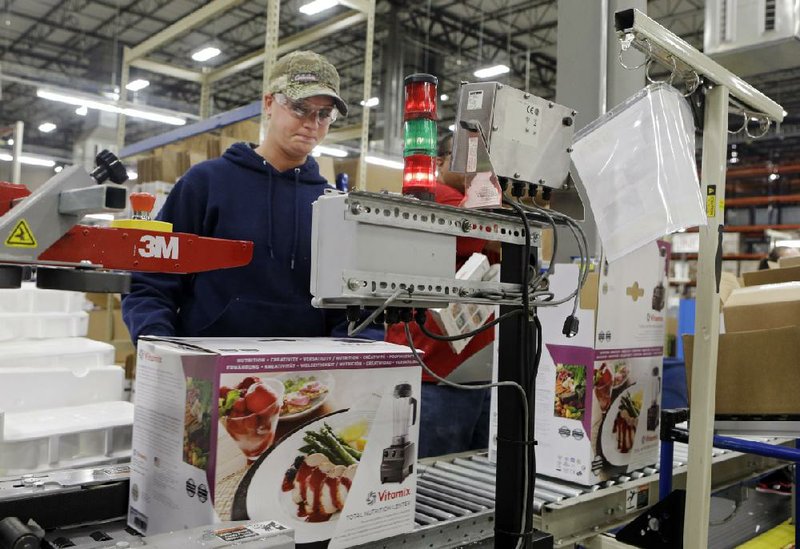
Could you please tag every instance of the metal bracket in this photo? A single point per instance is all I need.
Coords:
(660, 527)
(670, 50)
(82, 280)
(96, 199)
(425, 291)
(397, 211)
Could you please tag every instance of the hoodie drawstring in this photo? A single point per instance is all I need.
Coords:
(296, 215)
(270, 197)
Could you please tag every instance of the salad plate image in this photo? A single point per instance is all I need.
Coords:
(620, 424)
(303, 481)
(304, 393)
(570, 391)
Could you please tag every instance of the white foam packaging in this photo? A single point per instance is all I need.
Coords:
(15, 326)
(68, 352)
(30, 299)
(60, 403)
(73, 436)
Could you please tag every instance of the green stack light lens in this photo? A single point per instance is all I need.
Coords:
(419, 136)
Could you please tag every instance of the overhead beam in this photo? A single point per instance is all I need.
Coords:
(293, 42)
(358, 5)
(194, 19)
(167, 69)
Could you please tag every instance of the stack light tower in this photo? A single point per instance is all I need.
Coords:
(420, 136)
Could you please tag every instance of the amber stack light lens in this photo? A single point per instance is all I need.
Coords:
(419, 135)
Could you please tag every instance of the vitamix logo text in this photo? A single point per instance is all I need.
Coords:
(387, 495)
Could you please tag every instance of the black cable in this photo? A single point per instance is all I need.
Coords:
(472, 333)
(526, 260)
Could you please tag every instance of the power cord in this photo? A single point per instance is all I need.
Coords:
(526, 421)
(352, 332)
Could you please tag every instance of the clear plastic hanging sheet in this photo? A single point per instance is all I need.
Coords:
(637, 164)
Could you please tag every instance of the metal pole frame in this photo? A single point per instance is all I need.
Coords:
(16, 162)
(270, 54)
(361, 183)
(633, 27)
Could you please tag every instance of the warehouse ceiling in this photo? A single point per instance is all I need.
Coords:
(77, 45)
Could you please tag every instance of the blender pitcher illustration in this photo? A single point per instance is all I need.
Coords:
(654, 410)
(398, 459)
(659, 292)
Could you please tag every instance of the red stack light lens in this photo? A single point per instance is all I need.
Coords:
(419, 173)
(420, 92)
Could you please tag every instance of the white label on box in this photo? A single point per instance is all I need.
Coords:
(472, 154)
(260, 529)
(475, 100)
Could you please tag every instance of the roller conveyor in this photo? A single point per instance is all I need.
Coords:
(456, 495)
(569, 511)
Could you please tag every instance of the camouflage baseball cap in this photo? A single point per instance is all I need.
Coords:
(303, 74)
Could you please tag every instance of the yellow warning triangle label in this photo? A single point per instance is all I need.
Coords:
(21, 236)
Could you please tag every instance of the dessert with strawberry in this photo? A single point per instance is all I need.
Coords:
(250, 413)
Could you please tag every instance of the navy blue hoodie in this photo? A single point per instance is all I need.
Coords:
(239, 196)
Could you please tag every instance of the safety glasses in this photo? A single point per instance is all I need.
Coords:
(302, 110)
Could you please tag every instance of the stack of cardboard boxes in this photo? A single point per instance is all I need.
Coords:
(105, 324)
(757, 360)
(171, 162)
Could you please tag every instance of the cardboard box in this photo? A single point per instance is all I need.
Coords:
(189, 470)
(106, 324)
(598, 394)
(793, 261)
(756, 372)
(379, 178)
(226, 142)
(771, 276)
(762, 307)
(327, 169)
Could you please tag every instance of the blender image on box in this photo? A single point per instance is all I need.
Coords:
(398, 459)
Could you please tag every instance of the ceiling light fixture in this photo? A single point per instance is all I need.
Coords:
(58, 169)
(385, 162)
(312, 8)
(138, 84)
(47, 127)
(206, 53)
(444, 97)
(82, 101)
(82, 110)
(155, 117)
(488, 72)
(371, 102)
(451, 127)
(330, 151)
(30, 160)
